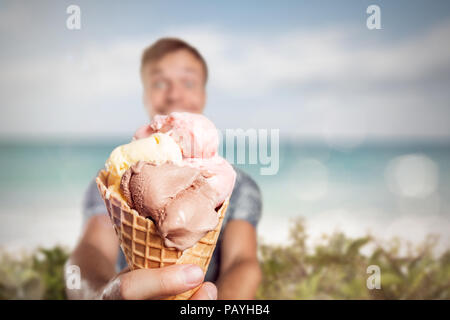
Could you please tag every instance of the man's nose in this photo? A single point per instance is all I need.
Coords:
(175, 93)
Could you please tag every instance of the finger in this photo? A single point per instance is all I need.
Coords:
(159, 283)
(207, 291)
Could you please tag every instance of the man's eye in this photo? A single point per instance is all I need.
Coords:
(159, 85)
(189, 84)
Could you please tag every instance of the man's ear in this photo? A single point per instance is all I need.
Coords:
(146, 104)
(205, 98)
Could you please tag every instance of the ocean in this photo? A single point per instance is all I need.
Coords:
(389, 189)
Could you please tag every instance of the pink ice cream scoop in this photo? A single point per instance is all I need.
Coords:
(198, 139)
(177, 198)
(195, 134)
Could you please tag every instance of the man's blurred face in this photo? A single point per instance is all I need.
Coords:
(176, 82)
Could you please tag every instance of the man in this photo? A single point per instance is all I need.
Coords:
(174, 77)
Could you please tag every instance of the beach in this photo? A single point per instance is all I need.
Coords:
(42, 185)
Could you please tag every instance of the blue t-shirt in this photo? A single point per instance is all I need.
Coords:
(245, 204)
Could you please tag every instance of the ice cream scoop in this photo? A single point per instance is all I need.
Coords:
(177, 198)
(195, 134)
(219, 174)
(157, 148)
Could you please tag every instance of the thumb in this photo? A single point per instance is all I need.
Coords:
(160, 282)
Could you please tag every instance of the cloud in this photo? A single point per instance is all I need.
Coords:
(366, 87)
(296, 80)
(323, 57)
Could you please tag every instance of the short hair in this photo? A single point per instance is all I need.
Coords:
(165, 46)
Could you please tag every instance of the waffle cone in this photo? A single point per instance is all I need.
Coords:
(141, 244)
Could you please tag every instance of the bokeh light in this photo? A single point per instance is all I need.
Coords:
(412, 176)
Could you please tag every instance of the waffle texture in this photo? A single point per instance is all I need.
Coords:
(142, 245)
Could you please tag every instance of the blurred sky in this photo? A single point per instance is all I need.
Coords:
(306, 67)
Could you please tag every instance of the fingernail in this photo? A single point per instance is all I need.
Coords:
(192, 275)
(212, 292)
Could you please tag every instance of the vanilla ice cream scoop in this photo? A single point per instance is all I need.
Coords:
(157, 148)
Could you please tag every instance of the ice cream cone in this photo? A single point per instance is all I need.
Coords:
(142, 245)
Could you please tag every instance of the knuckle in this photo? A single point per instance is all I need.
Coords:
(124, 288)
(164, 284)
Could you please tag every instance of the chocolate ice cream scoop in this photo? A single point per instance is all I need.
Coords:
(178, 199)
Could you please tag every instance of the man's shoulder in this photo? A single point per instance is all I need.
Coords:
(243, 179)
(245, 200)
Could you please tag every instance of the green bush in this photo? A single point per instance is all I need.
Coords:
(337, 269)
(35, 275)
(333, 269)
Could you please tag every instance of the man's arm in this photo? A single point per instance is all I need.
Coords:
(240, 273)
(95, 255)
